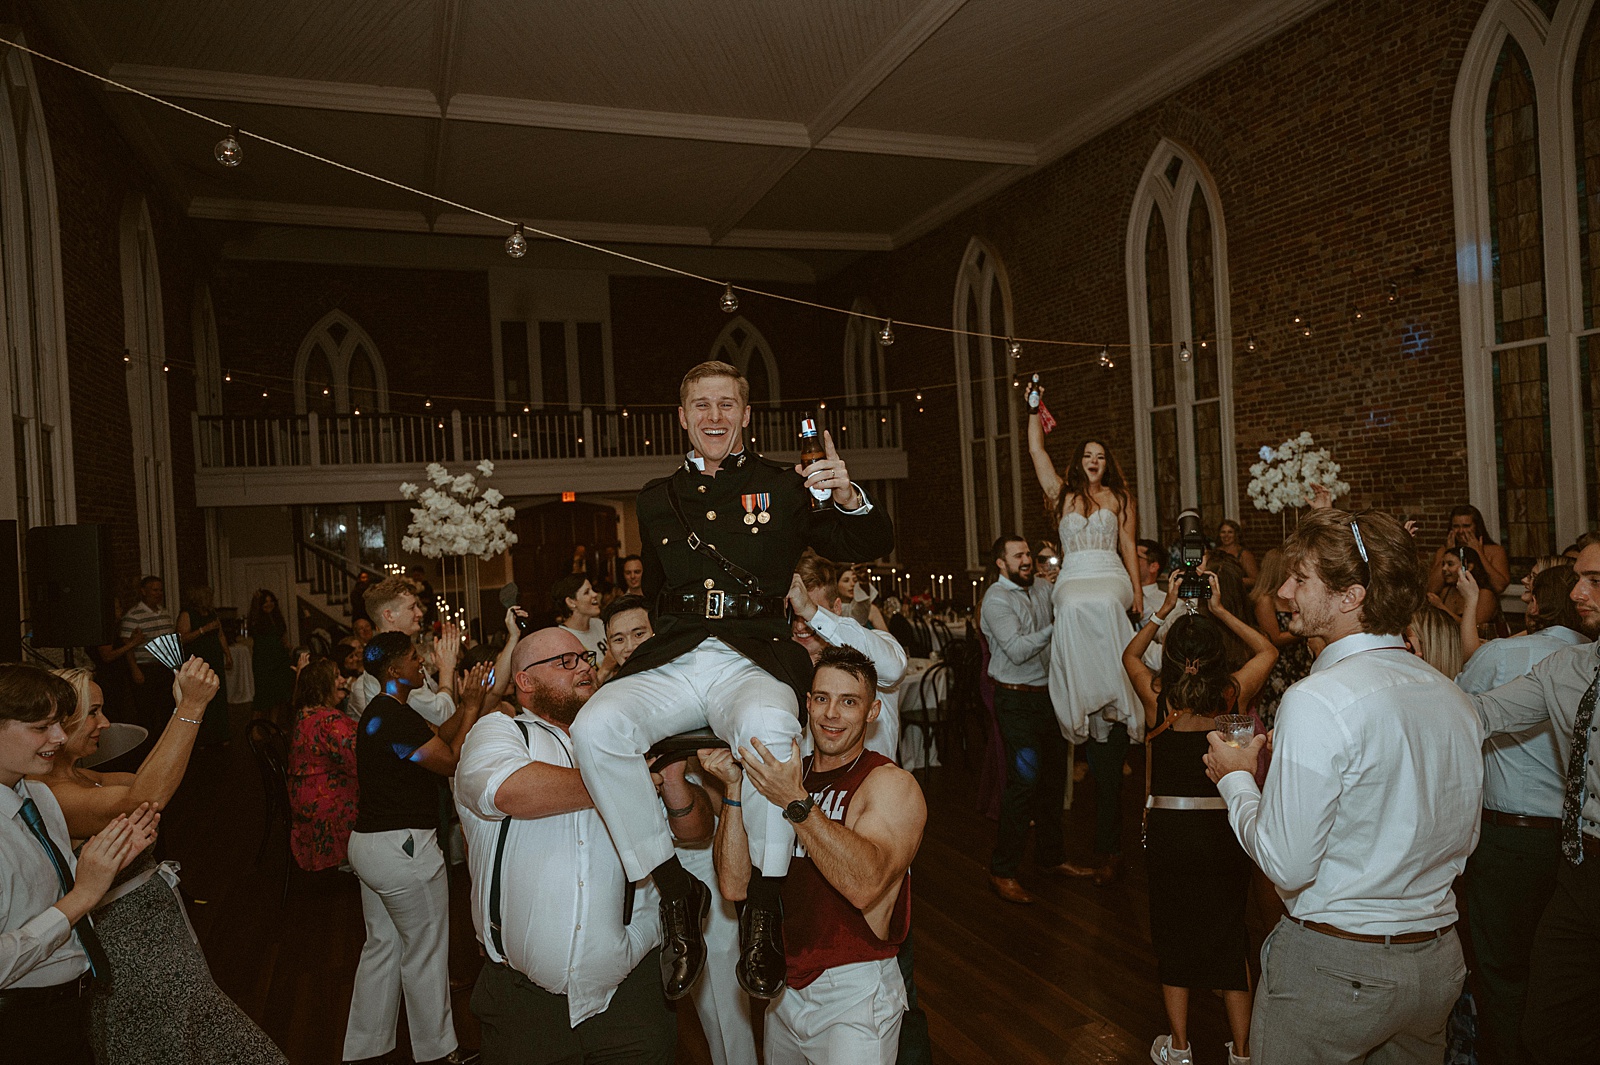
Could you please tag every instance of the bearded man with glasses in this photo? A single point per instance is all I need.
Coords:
(1369, 812)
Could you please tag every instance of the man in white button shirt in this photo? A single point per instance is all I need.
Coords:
(567, 979)
(1370, 810)
(46, 895)
(394, 607)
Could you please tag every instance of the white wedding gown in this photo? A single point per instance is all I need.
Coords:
(1088, 686)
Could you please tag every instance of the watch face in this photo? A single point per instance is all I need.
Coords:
(797, 810)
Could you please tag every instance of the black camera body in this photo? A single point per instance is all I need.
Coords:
(1192, 584)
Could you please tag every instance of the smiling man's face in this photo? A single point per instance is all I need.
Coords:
(714, 416)
(29, 748)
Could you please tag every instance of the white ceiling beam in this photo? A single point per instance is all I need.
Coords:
(306, 214)
(446, 33)
(927, 146)
(542, 114)
(275, 91)
(899, 47)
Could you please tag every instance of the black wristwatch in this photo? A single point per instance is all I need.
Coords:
(800, 809)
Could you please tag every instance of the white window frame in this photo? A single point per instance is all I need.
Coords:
(144, 337)
(726, 349)
(981, 280)
(33, 331)
(339, 355)
(1551, 49)
(531, 296)
(865, 382)
(1154, 194)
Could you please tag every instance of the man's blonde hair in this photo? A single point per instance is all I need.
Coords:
(713, 368)
(386, 594)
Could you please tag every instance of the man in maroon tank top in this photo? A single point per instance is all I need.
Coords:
(847, 901)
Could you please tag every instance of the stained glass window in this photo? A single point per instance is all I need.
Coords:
(1164, 412)
(1586, 120)
(1522, 443)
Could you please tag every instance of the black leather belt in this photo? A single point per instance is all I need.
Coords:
(13, 997)
(714, 604)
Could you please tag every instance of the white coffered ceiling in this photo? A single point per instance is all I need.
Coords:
(854, 125)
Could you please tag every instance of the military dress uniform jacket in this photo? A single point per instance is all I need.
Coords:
(715, 508)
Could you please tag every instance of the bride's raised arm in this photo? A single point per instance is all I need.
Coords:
(1049, 479)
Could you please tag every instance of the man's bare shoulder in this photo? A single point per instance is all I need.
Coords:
(891, 787)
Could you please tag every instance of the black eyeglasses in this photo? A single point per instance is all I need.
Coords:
(569, 660)
(1361, 547)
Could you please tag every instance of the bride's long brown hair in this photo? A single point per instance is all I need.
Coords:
(1077, 482)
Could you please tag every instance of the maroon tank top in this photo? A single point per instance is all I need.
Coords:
(821, 929)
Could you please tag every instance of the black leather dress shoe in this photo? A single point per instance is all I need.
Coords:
(683, 946)
(761, 968)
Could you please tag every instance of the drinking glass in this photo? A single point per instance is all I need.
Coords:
(1238, 730)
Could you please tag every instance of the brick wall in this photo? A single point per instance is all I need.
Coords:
(1328, 194)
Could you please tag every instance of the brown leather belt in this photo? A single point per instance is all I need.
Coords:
(1361, 937)
(1022, 687)
(1495, 817)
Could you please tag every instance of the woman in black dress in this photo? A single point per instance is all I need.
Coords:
(1201, 943)
(200, 629)
(271, 660)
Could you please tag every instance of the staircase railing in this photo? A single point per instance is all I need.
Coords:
(327, 573)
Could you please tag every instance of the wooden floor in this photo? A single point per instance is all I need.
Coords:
(1070, 980)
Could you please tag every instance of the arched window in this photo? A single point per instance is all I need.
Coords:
(863, 359)
(991, 461)
(37, 453)
(1525, 154)
(339, 370)
(207, 357)
(1177, 266)
(742, 344)
(144, 337)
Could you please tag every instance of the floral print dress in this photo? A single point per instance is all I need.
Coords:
(322, 787)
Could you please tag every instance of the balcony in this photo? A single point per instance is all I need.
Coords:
(306, 458)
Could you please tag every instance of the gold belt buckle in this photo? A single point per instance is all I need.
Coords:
(716, 601)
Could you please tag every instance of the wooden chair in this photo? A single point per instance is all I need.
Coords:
(269, 745)
(932, 714)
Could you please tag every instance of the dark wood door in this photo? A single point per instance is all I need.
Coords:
(547, 539)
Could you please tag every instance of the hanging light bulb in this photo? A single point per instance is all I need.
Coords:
(730, 299)
(516, 243)
(357, 412)
(919, 397)
(228, 376)
(822, 405)
(127, 356)
(166, 368)
(324, 391)
(1105, 357)
(1394, 291)
(525, 408)
(886, 334)
(229, 151)
(1184, 355)
(1250, 343)
(1014, 346)
(263, 394)
(624, 412)
(428, 402)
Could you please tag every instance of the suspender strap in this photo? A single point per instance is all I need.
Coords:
(499, 860)
(745, 578)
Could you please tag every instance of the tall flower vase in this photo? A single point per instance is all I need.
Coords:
(459, 598)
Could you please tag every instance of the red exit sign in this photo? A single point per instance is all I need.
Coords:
(569, 497)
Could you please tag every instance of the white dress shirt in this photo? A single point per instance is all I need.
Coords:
(435, 706)
(1373, 800)
(1018, 623)
(887, 657)
(37, 947)
(562, 885)
(1522, 771)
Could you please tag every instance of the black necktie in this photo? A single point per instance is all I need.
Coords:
(99, 964)
(1578, 776)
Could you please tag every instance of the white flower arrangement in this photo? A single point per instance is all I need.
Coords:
(1286, 475)
(456, 516)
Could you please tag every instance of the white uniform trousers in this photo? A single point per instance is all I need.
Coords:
(712, 684)
(718, 999)
(405, 899)
(851, 1013)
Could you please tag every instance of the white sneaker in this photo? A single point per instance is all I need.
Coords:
(1234, 1059)
(1162, 1052)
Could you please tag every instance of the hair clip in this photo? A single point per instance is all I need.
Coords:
(1361, 546)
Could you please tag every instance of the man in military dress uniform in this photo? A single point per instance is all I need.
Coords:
(721, 537)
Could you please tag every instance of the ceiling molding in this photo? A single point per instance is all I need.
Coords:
(542, 114)
(899, 47)
(306, 214)
(461, 224)
(795, 238)
(278, 92)
(1228, 42)
(928, 146)
(975, 193)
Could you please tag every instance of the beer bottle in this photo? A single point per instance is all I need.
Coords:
(812, 449)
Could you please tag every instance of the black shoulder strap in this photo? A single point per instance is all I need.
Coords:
(747, 579)
(499, 859)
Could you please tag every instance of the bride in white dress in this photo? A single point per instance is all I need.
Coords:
(1096, 589)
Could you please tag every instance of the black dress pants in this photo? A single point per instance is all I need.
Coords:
(1564, 975)
(1036, 781)
(44, 1027)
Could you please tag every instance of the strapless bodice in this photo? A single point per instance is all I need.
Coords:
(1097, 532)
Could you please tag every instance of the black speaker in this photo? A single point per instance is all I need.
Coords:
(69, 585)
(10, 595)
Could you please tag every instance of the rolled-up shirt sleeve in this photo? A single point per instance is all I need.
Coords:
(887, 656)
(1005, 631)
(24, 948)
(1285, 830)
(493, 750)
